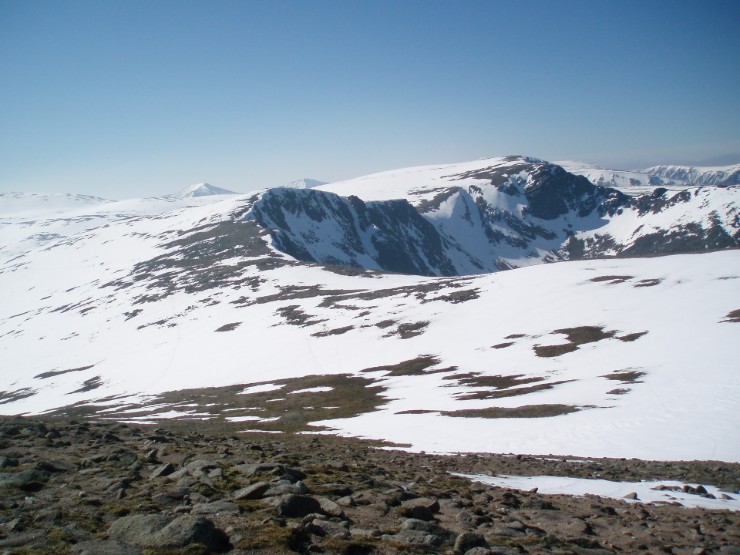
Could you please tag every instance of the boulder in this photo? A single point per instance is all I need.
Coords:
(7, 462)
(32, 479)
(157, 530)
(255, 491)
(467, 541)
(200, 466)
(296, 506)
(330, 508)
(215, 508)
(414, 537)
(328, 528)
(162, 470)
(282, 487)
(422, 508)
(275, 469)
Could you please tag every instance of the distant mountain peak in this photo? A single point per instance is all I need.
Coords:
(201, 190)
(304, 183)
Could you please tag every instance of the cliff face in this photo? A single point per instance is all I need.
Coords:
(517, 212)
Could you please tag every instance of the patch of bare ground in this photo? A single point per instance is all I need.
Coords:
(16, 395)
(576, 337)
(229, 327)
(418, 366)
(335, 331)
(611, 279)
(408, 330)
(548, 351)
(296, 316)
(474, 379)
(632, 336)
(648, 282)
(88, 385)
(502, 345)
(290, 408)
(526, 411)
(456, 297)
(625, 377)
(53, 373)
(81, 485)
(585, 334)
(511, 392)
(619, 391)
(733, 316)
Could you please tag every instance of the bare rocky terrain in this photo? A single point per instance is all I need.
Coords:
(85, 486)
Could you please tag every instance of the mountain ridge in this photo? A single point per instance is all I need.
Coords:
(155, 309)
(489, 215)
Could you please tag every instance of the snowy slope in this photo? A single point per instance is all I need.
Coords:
(673, 178)
(630, 182)
(29, 221)
(304, 183)
(29, 205)
(501, 213)
(128, 307)
(624, 180)
(697, 175)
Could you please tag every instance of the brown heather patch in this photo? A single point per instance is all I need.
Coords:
(414, 367)
(632, 336)
(502, 345)
(229, 327)
(473, 379)
(52, 373)
(733, 316)
(576, 336)
(648, 282)
(500, 394)
(625, 377)
(527, 411)
(611, 279)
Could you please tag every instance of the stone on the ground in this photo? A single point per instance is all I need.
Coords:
(330, 508)
(162, 531)
(295, 506)
(328, 528)
(162, 470)
(467, 541)
(422, 508)
(215, 508)
(255, 491)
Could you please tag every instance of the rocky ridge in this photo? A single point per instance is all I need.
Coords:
(78, 486)
(499, 214)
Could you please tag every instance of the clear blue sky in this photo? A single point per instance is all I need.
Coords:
(128, 98)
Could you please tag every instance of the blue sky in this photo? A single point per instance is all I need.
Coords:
(129, 98)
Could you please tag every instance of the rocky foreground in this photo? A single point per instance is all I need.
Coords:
(81, 486)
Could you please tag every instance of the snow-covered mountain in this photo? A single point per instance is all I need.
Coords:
(630, 182)
(304, 183)
(29, 221)
(481, 216)
(210, 308)
(31, 205)
(722, 175)
(201, 190)
(673, 178)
